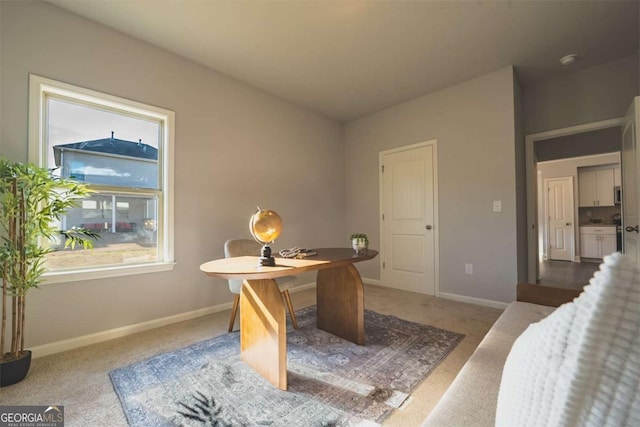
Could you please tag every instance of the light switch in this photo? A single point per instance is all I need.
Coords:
(468, 268)
(497, 206)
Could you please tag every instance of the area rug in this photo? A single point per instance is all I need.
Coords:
(332, 382)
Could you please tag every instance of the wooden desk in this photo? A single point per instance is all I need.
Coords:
(263, 332)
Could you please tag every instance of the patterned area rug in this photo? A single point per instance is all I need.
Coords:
(332, 382)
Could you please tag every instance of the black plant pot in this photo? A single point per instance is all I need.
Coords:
(13, 371)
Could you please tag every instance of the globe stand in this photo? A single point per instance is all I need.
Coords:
(265, 227)
(266, 260)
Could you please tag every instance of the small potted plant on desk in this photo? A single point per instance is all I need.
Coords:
(31, 199)
(359, 242)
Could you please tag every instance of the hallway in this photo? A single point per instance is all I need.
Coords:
(566, 274)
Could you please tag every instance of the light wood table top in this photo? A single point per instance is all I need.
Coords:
(247, 267)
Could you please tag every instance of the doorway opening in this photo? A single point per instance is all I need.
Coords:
(555, 244)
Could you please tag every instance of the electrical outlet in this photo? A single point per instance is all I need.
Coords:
(497, 205)
(468, 268)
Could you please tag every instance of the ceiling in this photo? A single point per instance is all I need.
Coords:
(346, 59)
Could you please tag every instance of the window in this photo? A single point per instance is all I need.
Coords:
(123, 150)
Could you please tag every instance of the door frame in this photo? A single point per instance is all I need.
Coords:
(633, 121)
(531, 179)
(547, 225)
(436, 228)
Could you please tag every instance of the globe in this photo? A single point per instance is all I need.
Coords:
(265, 226)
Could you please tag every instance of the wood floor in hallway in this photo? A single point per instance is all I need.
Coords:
(567, 274)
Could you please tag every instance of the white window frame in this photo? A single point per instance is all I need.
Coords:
(39, 88)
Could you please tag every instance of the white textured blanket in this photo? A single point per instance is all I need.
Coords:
(580, 366)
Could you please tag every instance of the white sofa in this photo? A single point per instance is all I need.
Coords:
(575, 365)
(471, 399)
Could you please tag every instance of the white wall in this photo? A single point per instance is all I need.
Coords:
(473, 123)
(236, 147)
(591, 95)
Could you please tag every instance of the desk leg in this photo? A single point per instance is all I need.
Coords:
(263, 340)
(341, 302)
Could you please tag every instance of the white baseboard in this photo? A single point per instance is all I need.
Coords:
(372, 281)
(302, 287)
(455, 297)
(472, 300)
(73, 343)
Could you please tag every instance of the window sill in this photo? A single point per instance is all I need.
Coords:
(105, 272)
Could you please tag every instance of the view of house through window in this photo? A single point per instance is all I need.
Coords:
(118, 153)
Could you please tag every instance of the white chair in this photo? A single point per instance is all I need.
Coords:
(243, 247)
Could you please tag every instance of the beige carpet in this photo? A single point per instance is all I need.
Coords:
(79, 379)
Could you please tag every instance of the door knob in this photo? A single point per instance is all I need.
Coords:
(428, 227)
(630, 229)
(568, 223)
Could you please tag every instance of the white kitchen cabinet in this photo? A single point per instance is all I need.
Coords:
(596, 242)
(608, 244)
(589, 246)
(617, 177)
(595, 187)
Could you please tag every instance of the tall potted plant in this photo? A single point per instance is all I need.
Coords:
(32, 199)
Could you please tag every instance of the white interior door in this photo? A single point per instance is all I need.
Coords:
(630, 182)
(408, 231)
(560, 218)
